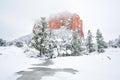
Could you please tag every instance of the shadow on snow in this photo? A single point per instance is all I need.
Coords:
(42, 70)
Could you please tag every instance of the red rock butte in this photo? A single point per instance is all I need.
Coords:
(69, 20)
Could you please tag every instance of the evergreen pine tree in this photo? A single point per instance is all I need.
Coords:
(100, 42)
(118, 41)
(77, 43)
(89, 42)
(3, 42)
(40, 37)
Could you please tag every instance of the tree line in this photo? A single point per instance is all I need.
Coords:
(46, 43)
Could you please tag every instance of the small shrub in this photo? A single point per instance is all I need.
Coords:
(19, 44)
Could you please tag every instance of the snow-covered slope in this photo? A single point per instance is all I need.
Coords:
(104, 66)
(25, 38)
(62, 33)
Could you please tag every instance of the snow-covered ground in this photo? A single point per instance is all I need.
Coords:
(104, 66)
(12, 60)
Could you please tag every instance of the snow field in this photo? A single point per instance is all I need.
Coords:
(104, 66)
(13, 60)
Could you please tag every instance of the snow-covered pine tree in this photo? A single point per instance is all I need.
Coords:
(118, 41)
(100, 42)
(2, 42)
(40, 37)
(110, 43)
(114, 43)
(77, 43)
(89, 42)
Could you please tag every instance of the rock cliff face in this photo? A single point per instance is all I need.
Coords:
(69, 20)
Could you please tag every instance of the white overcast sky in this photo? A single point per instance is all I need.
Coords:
(17, 17)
